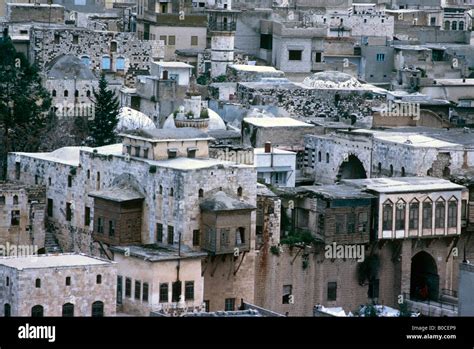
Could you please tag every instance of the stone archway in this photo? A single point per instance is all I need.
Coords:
(352, 168)
(424, 279)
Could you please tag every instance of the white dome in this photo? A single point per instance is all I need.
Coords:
(331, 79)
(215, 121)
(169, 122)
(130, 119)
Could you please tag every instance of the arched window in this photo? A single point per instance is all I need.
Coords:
(391, 170)
(113, 46)
(201, 193)
(461, 25)
(400, 215)
(37, 311)
(160, 191)
(38, 283)
(454, 25)
(68, 310)
(446, 25)
(414, 215)
(53, 93)
(7, 310)
(427, 214)
(120, 63)
(171, 192)
(76, 93)
(453, 213)
(440, 214)
(98, 279)
(403, 171)
(2, 199)
(66, 93)
(98, 309)
(86, 60)
(105, 63)
(319, 156)
(327, 158)
(387, 216)
(239, 191)
(88, 93)
(15, 199)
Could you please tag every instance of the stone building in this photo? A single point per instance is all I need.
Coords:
(69, 284)
(117, 54)
(391, 153)
(22, 221)
(379, 260)
(34, 12)
(275, 166)
(169, 173)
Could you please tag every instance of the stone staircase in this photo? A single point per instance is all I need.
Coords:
(51, 244)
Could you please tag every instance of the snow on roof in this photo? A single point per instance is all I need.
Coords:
(331, 79)
(51, 261)
(404, 184)
(222, 201)
(187, 164)
(65, 155)
(165, 135)
(254, 68)
(274, 151)
(215, 121)
(454, 82)
(173, 64)
(334, 311)
(130, 119)
(415, 140)
(276, 122)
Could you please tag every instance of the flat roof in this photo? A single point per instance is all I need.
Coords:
(276, 122)
(52, 261)
(255, 68)
(330, 191)
(158, 253)
(261, 151)
(404, 184)
(173, 64)
(118, 194)
(169, 134)
(453, 82)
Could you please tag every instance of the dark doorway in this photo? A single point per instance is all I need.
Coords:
(424, 281)
(352, 168)
(68, 310)
(97, 309)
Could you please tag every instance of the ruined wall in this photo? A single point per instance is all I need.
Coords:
(279, 136)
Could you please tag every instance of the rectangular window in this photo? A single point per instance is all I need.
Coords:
(427, 215)
(414, 215)
(159, 232)
(440, 214)
(119, 289)
(373, 288)
(332, 291)
(387, 218)
(145, 153)
(362, 222)
(68, 211)
(194, 40)
(287, 294)
(163, 293)
(145, 292)
(163, 38)
(351, 223)
(137, 151)
(266, 41)
(189, 290)
(225, 241)
(400, 217)
(229, 304)
(50, 207)
(340, 224)
(17, 170)
(380, 57)
(100, 226)
(171, 40)
(295, 55)
(128, 287)
(69, 181)
(318, 57)
(240, 236)
(196, 237)
(170, 235)
(75, 39)
(176, 291)
(111, 228)
(15, 219)
(87, 216)
(464, 209)
(452, 214)
(138, 290)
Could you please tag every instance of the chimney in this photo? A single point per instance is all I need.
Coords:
(268, 147)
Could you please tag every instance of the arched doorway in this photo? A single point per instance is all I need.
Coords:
(97, 309)
(351, 169)
(424, 281)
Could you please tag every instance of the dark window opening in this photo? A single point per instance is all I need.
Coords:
(196, 237)
(163, 293)
(332, 291)
(128, 287)
(176, 291)
(138, 291)
(159, 232)
(295, 55)
(189, 290)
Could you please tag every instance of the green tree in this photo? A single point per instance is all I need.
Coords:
(24, 103)
(106, 110)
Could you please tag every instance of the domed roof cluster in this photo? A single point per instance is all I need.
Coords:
(331, 79)
(130, 119)
(215, 121)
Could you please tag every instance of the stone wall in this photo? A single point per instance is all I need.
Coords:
(47, 44)
(29, 12)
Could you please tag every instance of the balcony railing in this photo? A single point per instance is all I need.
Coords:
(214, 26)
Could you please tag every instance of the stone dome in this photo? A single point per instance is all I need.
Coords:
(331, 79)
(69, 67)
(215, 121)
